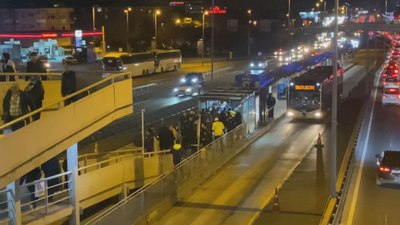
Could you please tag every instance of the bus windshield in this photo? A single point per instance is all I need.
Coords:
(304, 100)
(112, 63)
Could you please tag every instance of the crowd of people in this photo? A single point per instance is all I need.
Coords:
(18, 102)
(182, 138)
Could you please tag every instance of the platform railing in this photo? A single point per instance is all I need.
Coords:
(174, 185)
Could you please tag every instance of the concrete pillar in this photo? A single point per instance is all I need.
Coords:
(14, 203)
(72, 165)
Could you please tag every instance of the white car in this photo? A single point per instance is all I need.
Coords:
(391, 95)
(187, 90)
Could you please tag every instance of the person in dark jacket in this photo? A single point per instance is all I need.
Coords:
(270, 105)
(35, 92)
(35, 66)
(16, 104)
(166, 138)
(68, 83)
(51, 168)
(7, 66)
(32, 176)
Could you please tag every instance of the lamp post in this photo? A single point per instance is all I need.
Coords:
(288, 15)
(248, 31)
(333, 149)
(156, 13)
(212, 38)
(385, 7)
(205, 13)
(126, 11)
(323, 1)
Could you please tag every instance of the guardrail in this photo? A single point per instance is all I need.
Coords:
(59, 103)
(4, 204)
(144, 88)
(177, 184)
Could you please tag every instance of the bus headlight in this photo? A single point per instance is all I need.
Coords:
(175, 89)
(290, 113)
(318, 114)
(188, 90)
(125, 68)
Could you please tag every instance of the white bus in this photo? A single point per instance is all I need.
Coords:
(167, 60)
(137, 64)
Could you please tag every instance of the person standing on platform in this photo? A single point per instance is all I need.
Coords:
(35, 66)
(177, 153)
(218, 128)
(7, 66)
(166, 138)
(271, 101)
(51, 168)
(16, 104)
(68, 83)
(35, 91)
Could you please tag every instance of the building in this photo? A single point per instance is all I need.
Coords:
(36, 19)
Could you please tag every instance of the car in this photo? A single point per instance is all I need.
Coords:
(390, 81)
(69, 59)
(192, 78)
(190, 84)
(391, 95)
(259, 63)
(388, 171)
(187, 90)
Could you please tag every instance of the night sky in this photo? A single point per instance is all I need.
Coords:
(299, 4)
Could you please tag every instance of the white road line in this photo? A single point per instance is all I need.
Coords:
(360, 168)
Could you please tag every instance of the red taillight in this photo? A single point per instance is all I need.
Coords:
(384, 75)
(385, 83)
(384, 169)
(392, 90)
(396, 71)
(397, 83)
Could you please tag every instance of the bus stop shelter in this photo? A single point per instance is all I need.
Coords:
(244, 101)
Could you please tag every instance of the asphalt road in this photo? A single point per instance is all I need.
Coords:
(241, 189)
(367, 203)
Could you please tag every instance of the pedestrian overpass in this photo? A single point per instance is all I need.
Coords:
(88, 179)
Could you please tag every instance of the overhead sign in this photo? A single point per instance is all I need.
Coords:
(217, 10)
(304, 87)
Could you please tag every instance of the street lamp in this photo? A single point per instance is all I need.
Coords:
(249, 32)
(156, 13)
(288, 15)
(126, 11)
(205, 13)
(94, 8)
(323, 1)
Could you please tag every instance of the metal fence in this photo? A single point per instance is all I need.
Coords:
(170, 187)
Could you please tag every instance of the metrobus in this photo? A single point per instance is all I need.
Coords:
(310, 94)
(137, 64)
(167, 60)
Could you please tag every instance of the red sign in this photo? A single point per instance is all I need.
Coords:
(217, 10)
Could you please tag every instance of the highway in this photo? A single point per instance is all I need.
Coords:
(368, 203)
(240, 191)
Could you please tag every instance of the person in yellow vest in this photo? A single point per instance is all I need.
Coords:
(218, 128)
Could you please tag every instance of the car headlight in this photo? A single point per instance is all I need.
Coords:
(290, 113)
(260, 65)
(317, 114)
(47, 65)
(125, 68)
(188, 90)
(175, 89)
(194, 80)
(251, 64)
(183, 80)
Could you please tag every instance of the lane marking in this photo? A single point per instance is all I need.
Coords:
(364, 152)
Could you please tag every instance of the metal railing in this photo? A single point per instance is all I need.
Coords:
(59, 103)
(15, 77)
(54, 191)
(116, 159)
(144, 88)
(177, 184)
